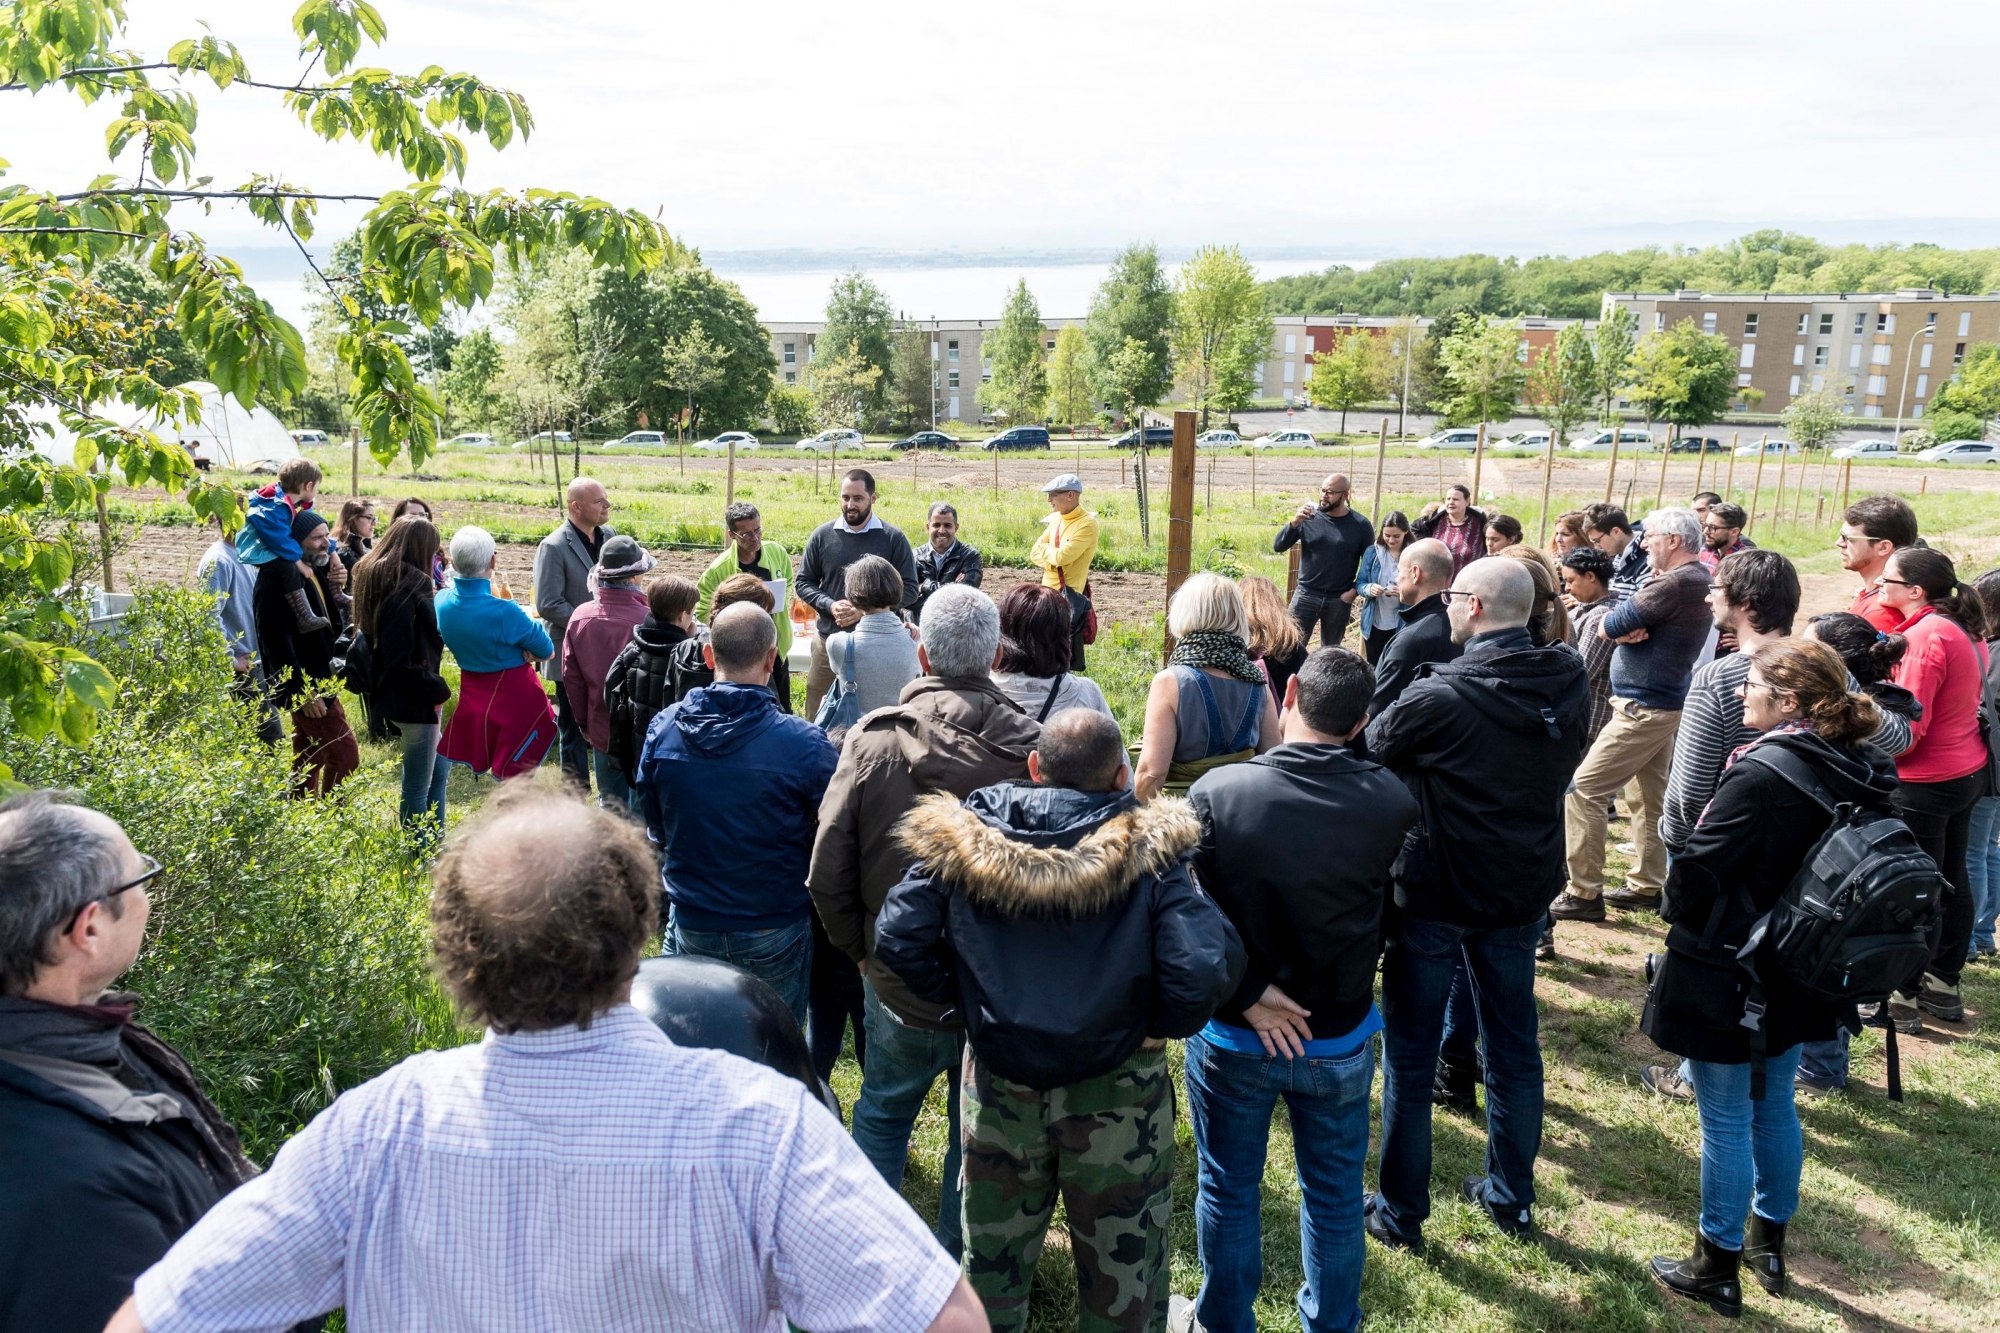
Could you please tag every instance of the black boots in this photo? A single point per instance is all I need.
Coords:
(1452, 1085)
(302, 612)
(1764, 1253)
(1710, 1275)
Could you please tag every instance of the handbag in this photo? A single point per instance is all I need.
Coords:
(1076, 599)
(841, 708)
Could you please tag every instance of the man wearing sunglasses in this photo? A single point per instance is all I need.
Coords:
(111, 1148)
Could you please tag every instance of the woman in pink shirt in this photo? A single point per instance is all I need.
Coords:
(1944, 771)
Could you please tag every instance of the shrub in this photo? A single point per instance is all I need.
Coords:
(1948, 425)
(287, 953)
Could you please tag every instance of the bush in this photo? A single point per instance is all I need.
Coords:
(1949, 425)
(287, 954)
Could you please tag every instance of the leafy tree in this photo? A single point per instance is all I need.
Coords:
(791, 409)
(842, 387)
(1683, 376)
(1217, 320)
(1482, 367)
(1430, 390)
(1617, 335)
(1350, 374)
(1407, 365)
(1236, 384)
(691, 364)
(1019, 388)
(858, 321)
(1562, 382)
(1132, 304)
(1069, 377)
(467, 388)
(563, 365)
(911, 380)
(1133, 375)
(1949, 424)
(158, 344)
(690, 294)
(1968, 400)
(1813, 419)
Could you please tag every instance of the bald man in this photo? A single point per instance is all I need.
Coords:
(1423, 572)
(562, 583)
(1331, 538)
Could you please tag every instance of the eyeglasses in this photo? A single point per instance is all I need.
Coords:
(1900, 583)
(1844, 540)
(1750, 685)
(152, 872)
(1450, 594)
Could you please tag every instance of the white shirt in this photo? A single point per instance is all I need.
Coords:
(574, 1179)
(873, 524)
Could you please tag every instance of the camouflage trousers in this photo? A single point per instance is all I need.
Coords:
(1106, 1145)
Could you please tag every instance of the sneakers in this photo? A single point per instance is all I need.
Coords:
(1452, 1087)
(1180, 1315)
(1545, 947)
(1904, 1013)
(1569, 907)
(1940, 1001)
(1377, 1226)
(1624, 898)
(1667, 1083)
(1515, 1222)
(1628, 849)
(1804, 1083)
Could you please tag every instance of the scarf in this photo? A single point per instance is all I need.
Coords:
(1791, 728)
(88, 1034)
(1219, 649)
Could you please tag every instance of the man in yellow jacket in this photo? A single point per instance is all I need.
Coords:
(1064, 551)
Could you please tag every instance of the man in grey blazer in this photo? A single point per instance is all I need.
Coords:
(562, 583)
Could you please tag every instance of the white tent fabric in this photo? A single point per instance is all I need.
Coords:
(226, 436)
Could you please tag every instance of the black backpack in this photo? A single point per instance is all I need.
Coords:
(1856, 921)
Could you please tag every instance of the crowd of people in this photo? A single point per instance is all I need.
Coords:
(954, 858)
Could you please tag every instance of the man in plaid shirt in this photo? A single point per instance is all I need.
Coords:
(1587, 592)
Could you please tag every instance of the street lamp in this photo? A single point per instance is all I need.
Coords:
(1909, 355)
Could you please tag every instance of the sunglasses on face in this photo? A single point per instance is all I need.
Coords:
(152, 872)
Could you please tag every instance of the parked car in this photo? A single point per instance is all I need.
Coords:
(1696, 444)
(927, 439)
(650, 439)
(1962, 451)
(742, 439)
(546, 438)
(829, 440)
(1157, 437)
(1459, 437)
(1218, 439)
(1019, 437)
(1875, 449)
(1769, 447)
(1600, 442)
(308, 439)
(1522, 441)
(471, 440)
(1285, 439)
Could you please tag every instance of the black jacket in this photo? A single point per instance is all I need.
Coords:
(1424, 637)
(1063, 924)
(640, 684)
(291, 657)
(408, 652)
(1430, 527)
(1487, 745)
(1310, 922)
(98, 1174)
(1753, 837)
(958, 565)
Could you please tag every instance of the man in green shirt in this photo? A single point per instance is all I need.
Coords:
(749, 553)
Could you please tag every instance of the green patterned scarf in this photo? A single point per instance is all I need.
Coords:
(1215, 648)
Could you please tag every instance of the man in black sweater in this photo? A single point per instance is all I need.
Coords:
(833, 546)
(1300, 1023)
(1487, 745)
(1332, 538)
(1422, 575)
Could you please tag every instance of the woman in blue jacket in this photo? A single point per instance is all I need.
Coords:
(1381, 613)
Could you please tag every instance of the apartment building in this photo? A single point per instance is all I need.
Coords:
(1885, 352)
(959, 362)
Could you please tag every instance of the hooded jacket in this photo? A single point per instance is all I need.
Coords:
(946, 734)
(730, 790)
(1753, 837)
(639, 685)
(1488, 745)
(1311, 923)
(1061, 925)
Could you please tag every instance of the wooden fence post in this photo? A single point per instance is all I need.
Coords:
(729, 492)
(1757, 489)
(1381, 451)
(1611, 473)
(1478, 460)
(1548, 475)
(1180, 512)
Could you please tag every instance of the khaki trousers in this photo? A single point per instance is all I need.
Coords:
(819, 676)
(1636, 746)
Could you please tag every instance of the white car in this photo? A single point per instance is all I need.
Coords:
(308, 439)
(1768, 446)
(742, 439)
(1218, 439)
(546, 438)
(1962, 451)
(1869, 449)
(1459, 437)
(1600, 443)
(1285, 439)
(645, 439)
(1526, 441)
(828, 440)
(470, 440)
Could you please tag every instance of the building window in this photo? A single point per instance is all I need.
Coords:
(1958, 354)
(1659, 320)
(791, 354)
(1880, 356)
(1878, 385)
(934, 349)
(1860, 322)
(1885, 322)
(1049, 345)
(1918, 411)
(1708, 321)
(1795, 386)
(809, 350)
(1923, 385)
(1799, 354)
(1289, 369)
(1964, 323)
(1803, 317)
(791, 377)
(1826, 326)
(1749, 357)
(1750, 325)
(1853, 355)
(1257, 375)
(1291, 343)
(951, 351)
(1924, 357)
(1819, 356)
(1742, 381)
(1819, 382)
(951, 379)
(1872, 410)
(1930, 323)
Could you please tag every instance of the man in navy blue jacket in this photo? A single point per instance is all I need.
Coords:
(730, 787)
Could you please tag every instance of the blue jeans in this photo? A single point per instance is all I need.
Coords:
(780, 956)
(1461, 1021)
(424, 774)
(1747, 1146)
(614, 790)
(1416, 986)
(1230, 1099)
(903, 1062)
(1982, 868)
(1327, 614)
(572, 750)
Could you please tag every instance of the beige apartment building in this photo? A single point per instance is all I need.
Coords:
(1886, 353)
(959, 364)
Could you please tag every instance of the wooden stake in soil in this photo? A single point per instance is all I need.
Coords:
(1660, 491)
(1253, 479)
(996, 471)
(1729, 486)
(354, 462)
(1778, 502)
(1758, 488)
(729, 492)
(1611, 474)
(1180, 511)
(1381, 452)
(1700, 464)
(1548, 473)
(1292, 572)
(1846, 482)
(1478, 460)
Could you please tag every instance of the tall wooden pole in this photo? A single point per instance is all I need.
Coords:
(1611, 473)
(1846, 482)
(1701, 464)
(1735, 443)
(354, 462)
(1381, 452)
(1778, 504)
(1478, 460)
(1253, 479)
(1292, 572)
(1180, 512)
(1758, 489)
(1660, 490)
(729, 491)
(1548, 474)
(996, 472)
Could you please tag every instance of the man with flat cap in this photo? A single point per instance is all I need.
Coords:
(1063, 553)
